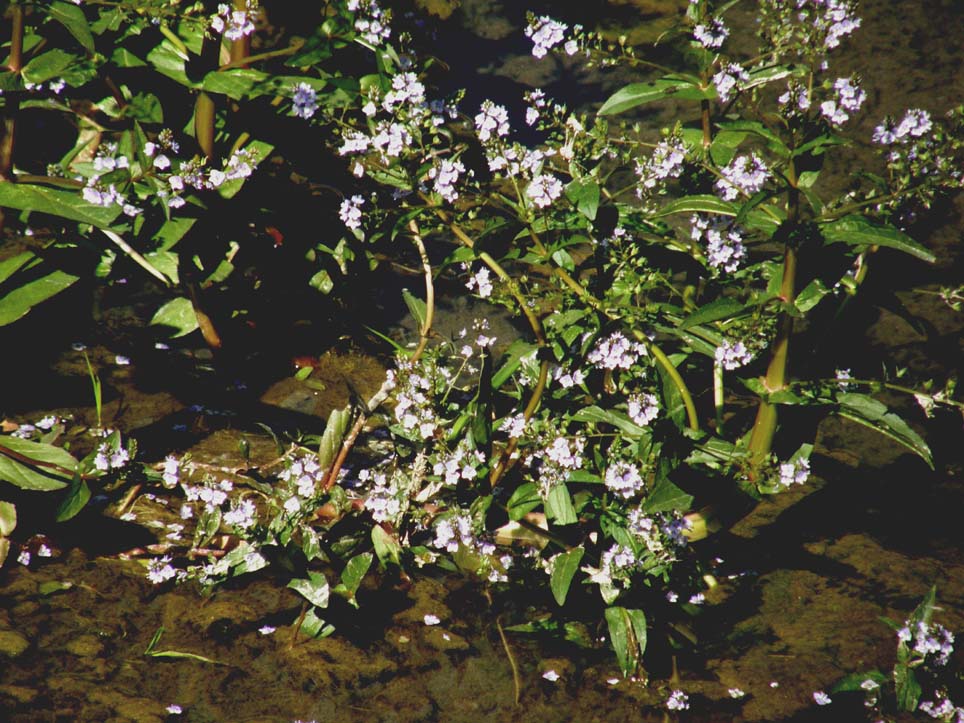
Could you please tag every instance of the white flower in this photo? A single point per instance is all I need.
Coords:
(545, 33)
(551, 675)
(350, 211)
(492, 120)
(732, 355)
(678, 700)
(160, 570)
(624, 479)
(431, 619)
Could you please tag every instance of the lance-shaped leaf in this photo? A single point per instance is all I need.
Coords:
(34, 465)
(30, 197)
(636, 94)
(627, 633)
(73, 18)
(874, 414)
(718, 309)
(564, 567)
(858, 230)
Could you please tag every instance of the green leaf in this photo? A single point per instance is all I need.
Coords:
(774, 142)
(166, 262)
(72, 18)
(564, 567)
(852, 682)
(10, 266)
(859, 231)
(636, 94)
(666, 497)
(583, 193)
(322, 282)
(47, 66)
(703, 203)
(627, 634)
(332, 437)
(168, 61)
(386, 546)
(873, 414)
(8, 518)
(235, 84)
(907, 688)
(724, 145)
(28, 197)
(811, 295)
(416, 308)
(123, 58)
(559, 505)
(27, 464)
(314, 627)
(721, 308)
(76, 499)
(177, 314)
(352, 575)
(618, 419)
(314, 589)
(259, 150)
(524, 499)
(22, 299)
(513, 359)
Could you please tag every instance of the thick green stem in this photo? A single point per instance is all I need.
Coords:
(765, 425)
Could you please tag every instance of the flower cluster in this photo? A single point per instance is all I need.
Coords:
(304, 101)
(732, 355)
(916, 123)
(745, 174)
(624, 479)
(930, 642)
(795, 472)
(546, 33)
(350, 212)
(666, 162)
(729, 79)
(724, 242)
(235, 23)
(849, 96)
(642, 408)
(711, 34)
(617, 352)
(371, 22)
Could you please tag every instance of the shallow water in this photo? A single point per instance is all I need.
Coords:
(812, 570)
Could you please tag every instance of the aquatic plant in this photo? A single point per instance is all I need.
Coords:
(661, 277)
(922, 678)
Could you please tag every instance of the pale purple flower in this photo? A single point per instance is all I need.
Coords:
(712, 34)
(728, 79)
(745, 174)
(544, 189)
(821, 698)
(304, 101)
(492, 120)
(616, 352)
(446, 175)
(732, 355)
(796, 472)
(545, 33)
(624, 479)
(235, 24)
(724, 243)
(160, 570)
(643, 408)
(350, 211)
(481, 283)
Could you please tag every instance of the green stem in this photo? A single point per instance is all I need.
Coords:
(765, 425)
(718, 395)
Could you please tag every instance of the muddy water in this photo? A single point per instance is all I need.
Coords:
(812, 570)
